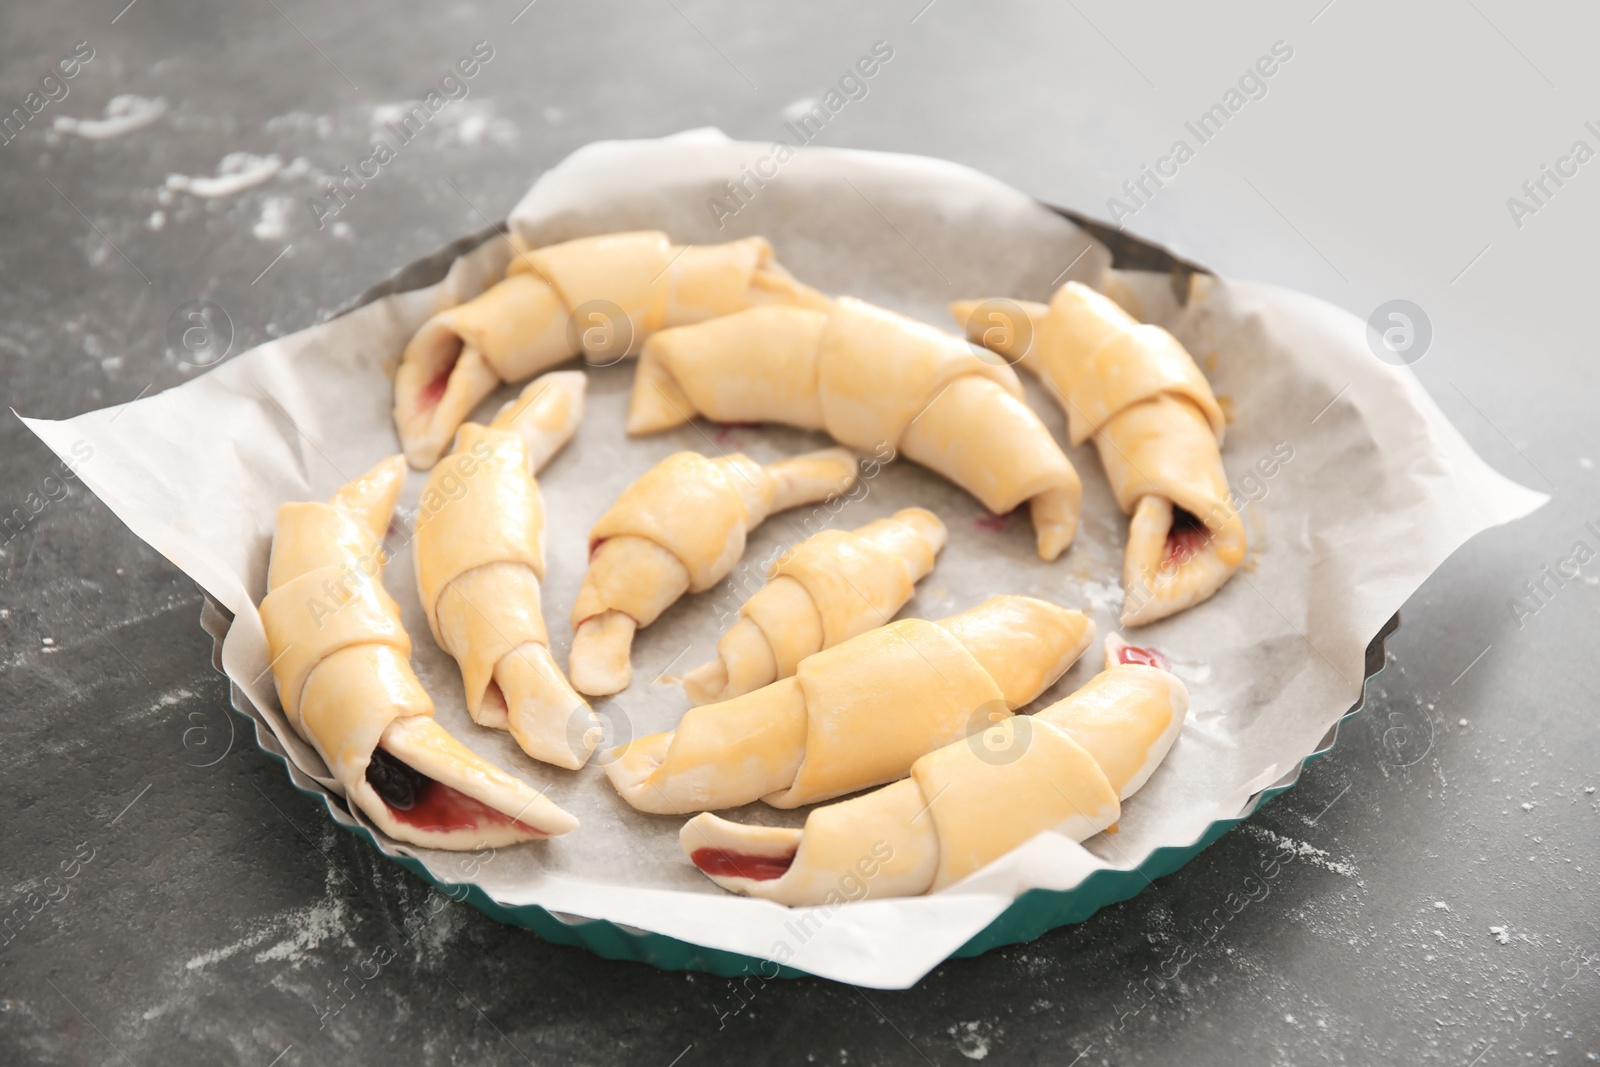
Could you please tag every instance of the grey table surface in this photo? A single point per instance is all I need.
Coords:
(1437, 895)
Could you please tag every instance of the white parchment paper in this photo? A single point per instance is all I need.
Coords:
(1358, 488)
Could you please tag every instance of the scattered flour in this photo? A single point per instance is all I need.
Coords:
(1306, 851)
(157, 220)
(471, 122)
(297, 930)
(1501, 934)
(1441, 905)
(274, 221)
(237, 172)
(1103, 597)
(471, 128)
(971, 1040)
(308, 928)
(383, 114)
(794, 110)
(124, 114)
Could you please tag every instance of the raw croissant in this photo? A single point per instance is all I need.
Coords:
(855, 715)
(1066, 768)
(595, 296)
(827, 589)
(874, 380)
(680, 528)
(1158, 428)
(341, 661)
(480, 561)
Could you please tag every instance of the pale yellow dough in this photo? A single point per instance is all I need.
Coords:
(479, 555)
(1065, 769)
(595, 296)
(857, 714)
(341, 661)
(876, 381)
(827, 589)
(680, 527)
(1137, 393)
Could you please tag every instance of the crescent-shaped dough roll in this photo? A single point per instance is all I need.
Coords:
(341, 661)
(875, 380)
(1136, 391)
(680, 528)
(480, 561)
(827, 589)
(1066, 768)
(595, 296)
(855, 715)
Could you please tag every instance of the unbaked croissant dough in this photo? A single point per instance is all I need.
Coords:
(480, 561)
(1137, 392)
(827, 589)
(855, 715)
(595, 296)
(341, 660)
(680, 528)
(1066, 768)
(876, 381)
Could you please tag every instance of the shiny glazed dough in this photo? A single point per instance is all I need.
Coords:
(1065, 769)
(341, 662)
(877, 382)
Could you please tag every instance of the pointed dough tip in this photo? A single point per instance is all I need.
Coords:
(600, 661)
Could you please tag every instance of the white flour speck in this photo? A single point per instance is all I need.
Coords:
(794, 110)
(383, 114)
(274, 221)
(971, 1041)
(1103, 597)
(1441, 905)
(237, 172)
(124, 114)
(157, 220)
(298, 167)
(1501, 934)
(471, 128)
(472, 121)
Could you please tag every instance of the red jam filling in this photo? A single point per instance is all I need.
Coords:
(427, 803)
(991, 522)
(1149, 657)
(725, 864)
(434, 390)
(1186, 538)
(725, 430)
